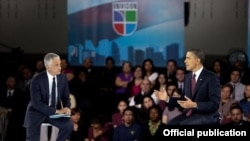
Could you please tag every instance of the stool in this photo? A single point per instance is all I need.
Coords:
(3, 127)
(44, 135)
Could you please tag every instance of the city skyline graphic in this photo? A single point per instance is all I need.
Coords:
(159, 34)
(136, 56)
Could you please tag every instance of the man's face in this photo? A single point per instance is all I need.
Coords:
(235, 76)
(180, 75)
(236, 115)
(191, 61)
(87, 63)
(55, 67)
(11, 82)
(128, 117)
(145, 86)
(171, 67)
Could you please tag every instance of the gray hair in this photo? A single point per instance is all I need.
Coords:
(49, 57)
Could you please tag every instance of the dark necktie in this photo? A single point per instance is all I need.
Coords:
(53, 93)
(181, 86)
(233, 95)
(9, 94)
(193, 83)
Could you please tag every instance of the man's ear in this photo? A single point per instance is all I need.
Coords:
(198, 60)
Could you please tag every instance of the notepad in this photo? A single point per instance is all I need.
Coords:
(59, 116)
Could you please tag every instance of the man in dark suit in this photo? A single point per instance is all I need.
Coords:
(44, 101)
(13, 104)
(201, 103)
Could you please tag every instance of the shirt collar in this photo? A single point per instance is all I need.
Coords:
(50, 76)
(198, 72)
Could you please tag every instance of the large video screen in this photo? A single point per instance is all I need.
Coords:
(128, 30)
(248, 32)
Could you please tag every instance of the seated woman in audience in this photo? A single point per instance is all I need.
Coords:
(133, 87)
(141, 115)
(152, 129)
(226, 102)
(117, 116)
(80, 128)
(122, 79)
(161, 83)
(219, 69)
(172, 111)
(149, 71)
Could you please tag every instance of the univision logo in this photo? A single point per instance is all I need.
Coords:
(124, 17)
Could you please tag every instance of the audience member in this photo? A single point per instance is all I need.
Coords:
(171, 111)
(107, 86)
(129, 130)
(13, 104)
(122, 79)
(146, 89)
(226, 102)
(220, 70)
(171, 67)
(237, 117)
(84, 96)
(80, 127)
(244, 71)
(238, 87)
(92, 77)
(24, 82)
(152, 130)
(39, 67)
(161, 82)
(117, 115)
(245, 103)
(88, 66)
(180, 77)
(141, 114)
(65, 66)
(133, 87)
(100, 129)
(149, 71)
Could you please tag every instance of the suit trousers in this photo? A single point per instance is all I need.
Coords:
(64, 125)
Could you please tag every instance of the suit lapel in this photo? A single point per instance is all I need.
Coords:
(58, 86)
(188, 86)
(46, 84)
(198, 82)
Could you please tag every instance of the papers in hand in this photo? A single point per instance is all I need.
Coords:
(59, 116)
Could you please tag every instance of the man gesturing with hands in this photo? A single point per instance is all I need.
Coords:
(201, 95)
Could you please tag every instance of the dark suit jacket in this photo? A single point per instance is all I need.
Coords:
(38, 109)
(206, 95)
